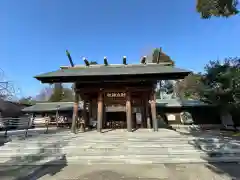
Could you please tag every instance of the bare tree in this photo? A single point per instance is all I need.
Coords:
(44, 94)
(7, 89)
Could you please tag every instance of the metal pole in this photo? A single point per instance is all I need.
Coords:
(57, 115)
(26, 133)
(6, 128)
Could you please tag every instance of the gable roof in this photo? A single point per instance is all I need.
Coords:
(102, 71)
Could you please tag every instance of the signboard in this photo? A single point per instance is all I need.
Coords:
(171, 117)
(115, 94)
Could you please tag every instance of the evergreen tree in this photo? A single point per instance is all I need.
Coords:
(68, 95)
(57, 94)
(224, 8)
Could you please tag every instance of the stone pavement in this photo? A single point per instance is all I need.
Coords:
(132, 172)
(120, 154)
(119, 147)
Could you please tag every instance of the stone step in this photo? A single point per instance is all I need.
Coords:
(101, 138)
(156, 153)
(153, 161)
(117, 160)
(95, 153)
(119, 136)
(104, 154)
(147, 157)
(100, 148)
(118, 153)
(109, 141)
(97, 140)
(83, 145)
(96, 145)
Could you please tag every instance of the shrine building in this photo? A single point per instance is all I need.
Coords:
(116, 92)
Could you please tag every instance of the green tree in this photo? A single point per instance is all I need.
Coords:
(57, 94)
(223, 8)
(61, 93)
(219, 84)
(159, 56)
(222, 84)
(68, 95)
(27, 101)
(190, 87)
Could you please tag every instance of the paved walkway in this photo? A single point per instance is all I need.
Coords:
(164, 145)
(132, 172)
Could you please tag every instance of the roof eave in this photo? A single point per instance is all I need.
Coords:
(167, 75)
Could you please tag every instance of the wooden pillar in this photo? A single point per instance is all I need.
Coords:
(104, 116)
(75, 112)
(153, 111)
(147, 121)
(143, 114)
(129, 112)
(90, 116)
(100, 111)
(86, 122)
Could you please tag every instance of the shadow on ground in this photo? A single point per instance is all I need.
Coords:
(4, 140)
(217, 143)
(110, 175)
(51, 168)
(30, 166)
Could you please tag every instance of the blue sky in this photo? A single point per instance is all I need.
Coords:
(35, 34)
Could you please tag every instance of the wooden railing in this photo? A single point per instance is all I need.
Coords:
(23, 123)
(8, 124)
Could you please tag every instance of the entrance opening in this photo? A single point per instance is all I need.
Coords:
(116, 120)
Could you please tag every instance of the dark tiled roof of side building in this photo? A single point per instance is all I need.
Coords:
(10, 109)
(68, 106)
(51, 106)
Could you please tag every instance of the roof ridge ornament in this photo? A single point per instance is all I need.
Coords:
(86, 62)
(105, 61)
(124, 60)
(143, 61)
(69, 58)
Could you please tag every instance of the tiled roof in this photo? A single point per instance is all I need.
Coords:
(179, 103)
(10, 109)
(111, 70)
(61, 106)
(51, 106)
